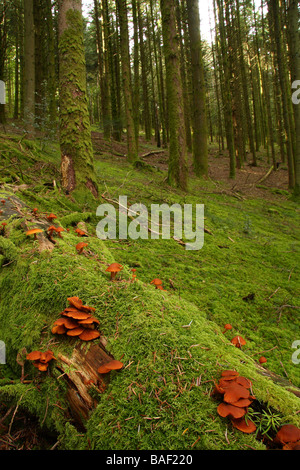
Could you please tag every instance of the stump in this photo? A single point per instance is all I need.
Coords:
(82, 378)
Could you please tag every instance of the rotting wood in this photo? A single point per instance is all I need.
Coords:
(80, 373)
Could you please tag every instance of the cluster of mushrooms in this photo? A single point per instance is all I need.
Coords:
(41, 359)
(77, 320)
(235, 391)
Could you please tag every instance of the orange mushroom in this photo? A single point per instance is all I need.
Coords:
(246, 426)
(227, 327)
(51, 217)
(113, 269)
(58, 230)
(80, 247)
(288, 434)
(238, 341)
(51, 229)
(156, 282)
(262, 360)
(234, 392)
(227, 409)
(41, 359)
(77, 320)
(111, 365)
(34, 231)
(80, 233)
(89, 334)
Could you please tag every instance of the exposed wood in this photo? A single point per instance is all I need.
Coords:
(80, 373)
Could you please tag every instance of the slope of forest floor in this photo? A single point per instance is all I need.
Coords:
(172, 342)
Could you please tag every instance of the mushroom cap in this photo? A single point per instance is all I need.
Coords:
(46, 356)
(242, 425)
(234, 392)
(59, 229)
(114, 268)
(76, 314)
(288, 433)
(80, 233)
(227, 326)
(156, 282)
(226, 409)
(75, 302)
(262, 360)
(69, 323)
(238, 341)
(114, 365)
(231, 373)
(33, 356)
(75, 331)
(81, 245)
(242, 402)
(244, 382)
(88, 334)
(33, 231)
(51, 228)
(89, 321)
(58, 329)
(103, 370)
(51, 216)
(40, 366)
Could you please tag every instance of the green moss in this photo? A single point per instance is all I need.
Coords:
(155, 402)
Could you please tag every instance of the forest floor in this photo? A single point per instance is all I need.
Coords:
(172, 342)
(246, 183)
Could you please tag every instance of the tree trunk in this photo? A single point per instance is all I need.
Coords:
(103, 74)
(29, 67)
(225, 89)
(178, 170)
(200, 151)
(126, 77)
(146, 113)
(77, 168)
(276, 29)
(294, 41)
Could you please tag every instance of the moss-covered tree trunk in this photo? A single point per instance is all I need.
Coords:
(77, 168)
(177, 171)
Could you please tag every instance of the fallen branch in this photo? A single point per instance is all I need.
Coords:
(266, 175)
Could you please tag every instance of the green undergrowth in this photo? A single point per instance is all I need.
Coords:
(171, 342)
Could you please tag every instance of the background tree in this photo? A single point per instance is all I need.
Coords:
(29, 66)
(178, 169)
(200, 148)
(126, 80)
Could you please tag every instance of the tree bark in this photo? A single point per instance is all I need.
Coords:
(294, 41)
(29, 67)
(200, 134)
(132, 153)
(178, 170)
(77, 167)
